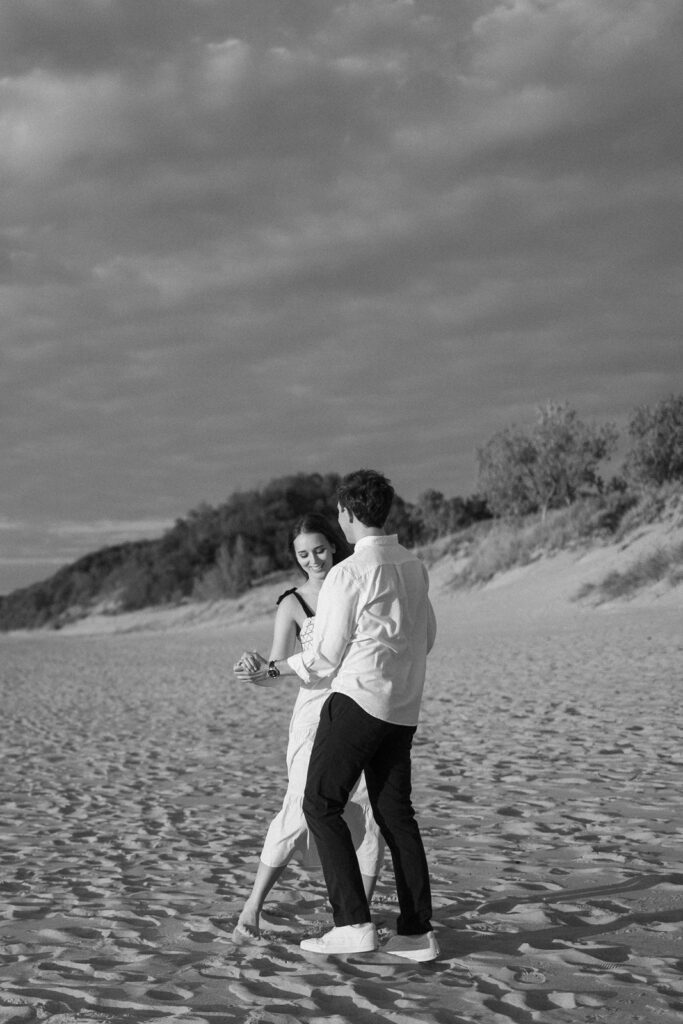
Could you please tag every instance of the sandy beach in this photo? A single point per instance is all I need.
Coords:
(138, 779)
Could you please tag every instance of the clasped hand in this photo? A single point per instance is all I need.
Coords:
(252, 667)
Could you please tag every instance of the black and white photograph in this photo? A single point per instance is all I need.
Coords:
(341, 515)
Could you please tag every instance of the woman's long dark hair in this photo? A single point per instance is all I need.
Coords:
(316, 522)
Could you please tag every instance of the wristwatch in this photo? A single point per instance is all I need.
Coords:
(273, 670)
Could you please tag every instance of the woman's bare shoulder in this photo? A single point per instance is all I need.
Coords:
(287, 596)
(289, 607)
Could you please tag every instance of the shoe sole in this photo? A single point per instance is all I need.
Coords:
(418, 956)
(336, 951)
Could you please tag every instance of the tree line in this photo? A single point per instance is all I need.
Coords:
(558, 460)
(220, 551)
(214, 552)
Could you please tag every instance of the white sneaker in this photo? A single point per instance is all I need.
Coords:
(413, 947)
(350, 938)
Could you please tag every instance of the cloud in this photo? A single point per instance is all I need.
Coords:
(244, 239)
(112, 529)
(33, 550)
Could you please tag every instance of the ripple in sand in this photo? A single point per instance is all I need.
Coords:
(552, 816)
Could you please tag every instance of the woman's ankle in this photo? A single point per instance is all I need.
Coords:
(250, 915)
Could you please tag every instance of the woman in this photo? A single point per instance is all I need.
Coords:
(317, 546)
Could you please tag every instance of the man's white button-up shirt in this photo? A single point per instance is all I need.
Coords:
(374, 627)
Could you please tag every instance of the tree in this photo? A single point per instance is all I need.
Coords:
(503, 478)
(213, 552)
(430, 514)
(230, 576)
(400, 521)
(656, 455)
(548, 467)
(237, 570)
(437, 516)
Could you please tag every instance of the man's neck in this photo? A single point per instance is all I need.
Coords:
(367, 531)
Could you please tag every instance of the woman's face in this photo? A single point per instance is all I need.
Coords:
(314, 553)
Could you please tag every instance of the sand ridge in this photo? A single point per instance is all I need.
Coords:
(138, 780)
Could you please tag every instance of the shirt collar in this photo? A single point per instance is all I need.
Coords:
(382, 538)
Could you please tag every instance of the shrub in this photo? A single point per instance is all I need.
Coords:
(653, 567)
(497, 547)
(656, 456)
(649, 504)
(548, 467)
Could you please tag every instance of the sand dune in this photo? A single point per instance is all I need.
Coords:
(138, 779)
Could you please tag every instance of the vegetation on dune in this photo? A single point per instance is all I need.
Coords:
(498, 545)
(656, 454)
(214, 552)
(550, 466)
(662, 564)
(539, 491)
(546, 493)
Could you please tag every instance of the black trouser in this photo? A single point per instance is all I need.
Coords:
(348, 742)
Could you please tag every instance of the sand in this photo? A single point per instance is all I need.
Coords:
(138, 780)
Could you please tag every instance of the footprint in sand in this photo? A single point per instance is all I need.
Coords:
(218, 967)
(530, 976)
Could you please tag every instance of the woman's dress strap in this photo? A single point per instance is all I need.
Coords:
(304, 604)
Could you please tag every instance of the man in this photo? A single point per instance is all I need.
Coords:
(373, 629)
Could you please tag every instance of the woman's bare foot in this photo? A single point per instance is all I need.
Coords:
(247, 927)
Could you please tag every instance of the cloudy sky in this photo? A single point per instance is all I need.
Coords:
(245, 238)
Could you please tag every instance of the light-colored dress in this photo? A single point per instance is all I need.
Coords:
(288, 834)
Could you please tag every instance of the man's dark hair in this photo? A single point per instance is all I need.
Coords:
(368, 495)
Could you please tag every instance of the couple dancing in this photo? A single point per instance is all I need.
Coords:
(365, 624)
